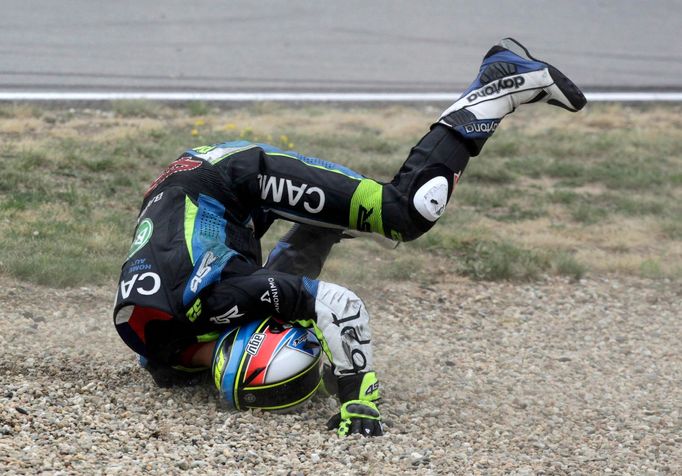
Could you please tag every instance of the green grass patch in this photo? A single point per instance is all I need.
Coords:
(672, 228)
(500, 260)
(198, 108)
(136, 108)
(565, 264)
(491, 172)
(73, 182)
(651, 268)
(364, 151)
(588, 214)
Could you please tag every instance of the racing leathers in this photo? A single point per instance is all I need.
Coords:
(194, 266)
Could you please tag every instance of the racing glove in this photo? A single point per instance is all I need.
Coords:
(359, 414)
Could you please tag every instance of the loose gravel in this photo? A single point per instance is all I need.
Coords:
(552, 377)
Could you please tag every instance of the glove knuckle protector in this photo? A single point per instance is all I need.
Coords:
(359, 413)
(360, 416)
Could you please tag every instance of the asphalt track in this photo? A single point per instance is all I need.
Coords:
(327, 47)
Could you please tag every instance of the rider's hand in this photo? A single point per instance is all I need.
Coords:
(359, 413)
(357, 416)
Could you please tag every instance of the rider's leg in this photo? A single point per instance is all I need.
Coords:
(303, 250)
(310, 190)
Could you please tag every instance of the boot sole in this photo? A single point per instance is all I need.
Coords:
(572, 93)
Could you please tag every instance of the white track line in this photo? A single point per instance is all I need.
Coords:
(308, 97)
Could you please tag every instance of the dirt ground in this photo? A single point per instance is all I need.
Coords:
(551, 377)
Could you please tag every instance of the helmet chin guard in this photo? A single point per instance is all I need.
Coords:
(267, 365)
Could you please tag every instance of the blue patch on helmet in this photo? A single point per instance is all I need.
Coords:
(227, 383)
(300, 339)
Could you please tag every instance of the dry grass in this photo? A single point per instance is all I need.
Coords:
(598, 191)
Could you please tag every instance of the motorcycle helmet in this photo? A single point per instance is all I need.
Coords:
(266, 364)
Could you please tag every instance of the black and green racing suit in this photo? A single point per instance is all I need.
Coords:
(194, 266)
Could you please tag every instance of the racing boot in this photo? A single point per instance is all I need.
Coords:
(509, 77)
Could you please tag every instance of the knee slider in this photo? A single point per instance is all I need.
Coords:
(431, 198)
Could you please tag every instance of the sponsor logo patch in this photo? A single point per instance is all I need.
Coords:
(514, 82)
(149, 204)
(138, 265)
(280, 190)
(227, 316)
(372, 388)
(363, 219)
(183, 164)
(143, 233)
(204, 268)
(149, 283)
(213, 154)
(195, 311)
(272, 295)
(254, 343)
(485, 127)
